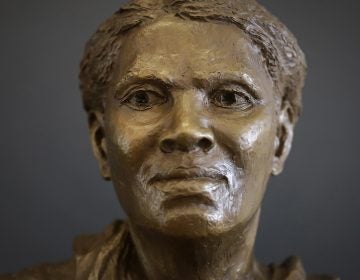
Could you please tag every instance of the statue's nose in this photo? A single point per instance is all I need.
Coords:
(187, 141)
(188, 130)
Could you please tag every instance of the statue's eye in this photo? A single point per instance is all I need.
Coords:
(233, 99)
(142, 100)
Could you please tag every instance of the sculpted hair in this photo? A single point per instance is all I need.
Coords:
(283, 57)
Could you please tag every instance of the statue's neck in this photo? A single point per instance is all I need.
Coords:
(228, 256)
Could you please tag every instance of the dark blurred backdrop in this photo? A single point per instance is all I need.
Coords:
(50, 188)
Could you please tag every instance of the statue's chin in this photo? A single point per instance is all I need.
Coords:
(193, 221)
(197, 214)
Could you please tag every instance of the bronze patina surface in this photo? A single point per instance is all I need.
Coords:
(191, 107)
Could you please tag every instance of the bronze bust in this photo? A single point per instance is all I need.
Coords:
(191, 107)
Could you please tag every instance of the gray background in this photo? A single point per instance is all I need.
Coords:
(50, 187)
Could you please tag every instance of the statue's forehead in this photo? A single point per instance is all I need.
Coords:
(174, 46)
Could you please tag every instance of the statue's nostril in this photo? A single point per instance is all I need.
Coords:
(168, 145)
(205, 144)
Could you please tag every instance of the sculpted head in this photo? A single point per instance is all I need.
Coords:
(191, 107)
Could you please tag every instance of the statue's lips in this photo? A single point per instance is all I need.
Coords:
(188, 174)
(189, 186)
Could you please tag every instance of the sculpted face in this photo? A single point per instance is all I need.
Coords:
(189, 134)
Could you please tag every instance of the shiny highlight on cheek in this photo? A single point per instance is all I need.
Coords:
(249, 139)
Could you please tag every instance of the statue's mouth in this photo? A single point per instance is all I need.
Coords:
(189, 186)
(191, 173)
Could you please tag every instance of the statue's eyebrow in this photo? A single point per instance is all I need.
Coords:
(157, 80)
(209, 82)
(218, 79)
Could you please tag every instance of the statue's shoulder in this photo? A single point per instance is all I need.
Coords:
(86, 250)
(293, 269)
(87, 243)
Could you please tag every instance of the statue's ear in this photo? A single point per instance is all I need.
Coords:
(98, 142)
(284, 137)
